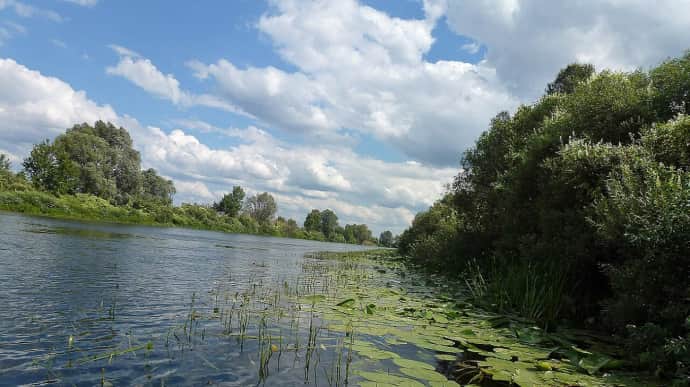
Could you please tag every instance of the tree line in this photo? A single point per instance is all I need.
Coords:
(94, 172)
(577, 208)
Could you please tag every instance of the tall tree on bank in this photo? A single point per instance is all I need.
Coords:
(231, 203)
(313, 221)
(97, 160)
(386, 239)
(261, 207)
(329, 223)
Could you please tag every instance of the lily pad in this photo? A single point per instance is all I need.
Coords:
(407, 363)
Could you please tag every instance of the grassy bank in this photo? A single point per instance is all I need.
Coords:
(87, 207)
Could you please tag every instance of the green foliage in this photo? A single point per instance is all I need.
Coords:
(578, 207)
(93, 172)
(386, 239)
(261, 207)
(646, 215)
(329, 222)
(231, 203)
(97, 160)
(671, 82)
(569, 78)
(313, 221)
(357, 233)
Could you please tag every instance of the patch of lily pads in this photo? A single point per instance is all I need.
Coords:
(388, 312)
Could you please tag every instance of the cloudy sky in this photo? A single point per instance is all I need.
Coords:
(363, 107)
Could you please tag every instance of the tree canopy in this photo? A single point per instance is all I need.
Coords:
(97, 160)
(231, 203)
(261, 207)
(583, 196)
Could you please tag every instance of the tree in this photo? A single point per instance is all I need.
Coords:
(569, 77)
(231, 203)
(156, 188)
(41, 167)
(313, 221)
(291, 228)
(4, 163)
(261, 207)
(386, 239)
(329, 222)
(357, 233)
(5, 172)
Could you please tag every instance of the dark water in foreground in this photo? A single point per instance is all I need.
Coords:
(92, 304)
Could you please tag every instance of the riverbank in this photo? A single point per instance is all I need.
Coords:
(85, 207)
(90, 304)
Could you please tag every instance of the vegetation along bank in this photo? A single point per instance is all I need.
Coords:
(94, 173)
(575, 210)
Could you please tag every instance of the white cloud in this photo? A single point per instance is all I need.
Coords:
(34, 107)
(359, 70)
(360, 189)
(83, 3)
(25, 10)
(144, 74)
(528, 41)
(471, 48)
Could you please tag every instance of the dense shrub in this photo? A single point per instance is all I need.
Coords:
(582, 198)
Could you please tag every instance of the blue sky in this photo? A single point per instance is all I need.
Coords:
(363, 107)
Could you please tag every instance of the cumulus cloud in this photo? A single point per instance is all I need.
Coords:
(382, 194)
(358, 70)
(529, 41)
(143, 73)
(34, 107)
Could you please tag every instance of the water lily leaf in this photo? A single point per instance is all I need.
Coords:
(592, 364)
(447, 383)
(445, 357)
(387, 379)
(424, 374)
(346, 303)
(439, 318)
(407, 363)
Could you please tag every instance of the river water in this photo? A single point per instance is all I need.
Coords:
(92, 304)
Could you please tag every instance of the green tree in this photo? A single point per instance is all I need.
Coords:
(292, 228)
(671, 83)
(261, 207)
(313, 221)
(329, 223)
(5, 164)
(569, 77)
(97, 160)
(386, 239)
(357, 233)
(156, 188)
(5, 172)
(231, 203)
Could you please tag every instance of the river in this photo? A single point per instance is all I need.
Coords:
(114, 287)
(98, 304)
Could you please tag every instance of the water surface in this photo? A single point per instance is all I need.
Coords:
(77, 296)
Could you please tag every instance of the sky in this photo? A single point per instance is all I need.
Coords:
(364, 107)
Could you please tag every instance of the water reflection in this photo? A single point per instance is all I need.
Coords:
(91, 303)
